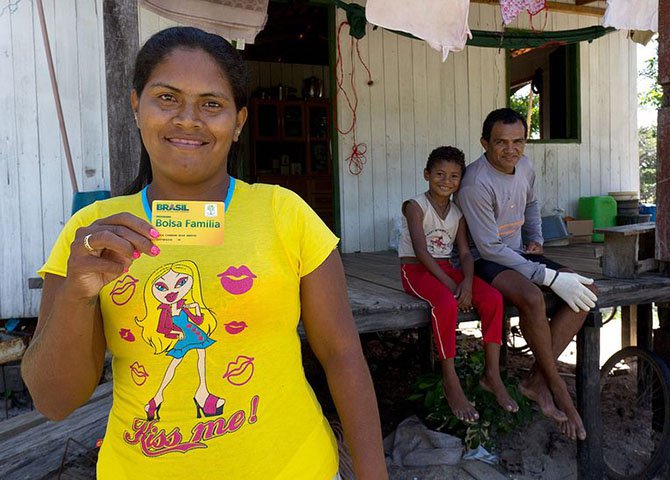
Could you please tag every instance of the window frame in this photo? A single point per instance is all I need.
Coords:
(575, 106)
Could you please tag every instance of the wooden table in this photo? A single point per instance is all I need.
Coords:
(628, 250)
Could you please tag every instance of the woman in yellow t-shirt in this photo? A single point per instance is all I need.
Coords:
(210, 326)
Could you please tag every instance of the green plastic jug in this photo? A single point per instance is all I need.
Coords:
(600, 209)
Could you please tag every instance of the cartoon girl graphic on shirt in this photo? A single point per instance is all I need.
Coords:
(183, 323)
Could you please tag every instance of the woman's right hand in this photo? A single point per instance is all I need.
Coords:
(115, 242)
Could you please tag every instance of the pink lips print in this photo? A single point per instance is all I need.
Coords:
(138, 373)
(123, 290)
(235, 327)
(240, 371)
(127, 335)
(237, 280)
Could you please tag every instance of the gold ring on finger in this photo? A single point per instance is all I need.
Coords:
(88, 245)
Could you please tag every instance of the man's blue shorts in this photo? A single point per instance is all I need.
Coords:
(488, 271)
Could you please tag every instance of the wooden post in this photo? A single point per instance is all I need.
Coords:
(663, 139)
(662, 334)
(121, 45)
(590, 451)
(645, 314)
(628, 325)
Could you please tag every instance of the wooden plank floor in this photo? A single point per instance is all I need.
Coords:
(376, 266)
(581, 257)
(374, 285)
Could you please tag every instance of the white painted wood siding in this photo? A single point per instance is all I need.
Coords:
(417, 103)
(36, 191)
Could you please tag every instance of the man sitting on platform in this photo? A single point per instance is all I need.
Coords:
(499, 204)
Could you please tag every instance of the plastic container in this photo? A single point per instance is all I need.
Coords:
(602, 210)
(554, 231)
(649, 209)
(83, 199)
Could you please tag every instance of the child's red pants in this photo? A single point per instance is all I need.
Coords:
(418, 281)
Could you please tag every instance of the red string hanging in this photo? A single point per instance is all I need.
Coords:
(546, 17)
(357, 158)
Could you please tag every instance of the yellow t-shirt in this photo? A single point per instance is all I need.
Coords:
(235, 308)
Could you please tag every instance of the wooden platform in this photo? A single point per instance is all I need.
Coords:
(379, 303)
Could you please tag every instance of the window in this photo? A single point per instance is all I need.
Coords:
(547, 80)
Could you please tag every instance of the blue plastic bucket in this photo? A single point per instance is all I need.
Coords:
(82, 199)
(648, 209)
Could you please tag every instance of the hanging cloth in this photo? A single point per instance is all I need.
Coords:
(629, 15)
(641, 36)
(515, 39)
(232, 19)
(355, 18)
(442, 24)
(511, 38)
(511, 9)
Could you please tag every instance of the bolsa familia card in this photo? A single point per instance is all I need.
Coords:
(188, 222)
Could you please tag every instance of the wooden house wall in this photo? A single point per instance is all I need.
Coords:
(36, 191)
(417, 103)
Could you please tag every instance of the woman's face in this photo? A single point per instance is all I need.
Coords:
(188, 119)
(172, 287)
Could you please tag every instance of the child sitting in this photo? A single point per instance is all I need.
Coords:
(432, 224)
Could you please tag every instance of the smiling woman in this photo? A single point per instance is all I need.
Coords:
(188, 119)
(205, 325)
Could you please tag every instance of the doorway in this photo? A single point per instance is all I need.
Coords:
(288, 137)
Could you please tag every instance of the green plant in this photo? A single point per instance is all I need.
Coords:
(519, 101)
(493, 420)
(652, 96)
(648, 163)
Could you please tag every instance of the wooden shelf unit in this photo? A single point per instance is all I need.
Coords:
(290, 145)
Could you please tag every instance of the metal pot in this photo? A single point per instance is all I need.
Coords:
(312, 87)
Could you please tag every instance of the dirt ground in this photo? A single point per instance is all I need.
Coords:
(535, 451)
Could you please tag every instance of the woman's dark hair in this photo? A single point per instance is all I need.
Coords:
(446, 154)
(157, 49)
(506, 116)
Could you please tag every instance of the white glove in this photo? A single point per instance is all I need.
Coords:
(570, 287)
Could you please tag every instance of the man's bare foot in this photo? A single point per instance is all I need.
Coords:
(542, 396)
(459, 403)
(497, 388)
(574, 427)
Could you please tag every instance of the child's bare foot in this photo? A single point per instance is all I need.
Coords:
(459, 403)
(497, 387)
(539, 393)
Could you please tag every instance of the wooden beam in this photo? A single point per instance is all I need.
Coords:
(12, 347)
(584, 2)
(560, 7)
(121, 45)
(663, 138)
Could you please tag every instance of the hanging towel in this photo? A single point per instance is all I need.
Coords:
(232, 19)
(443, 24)
(510, 9)
(632, 15)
